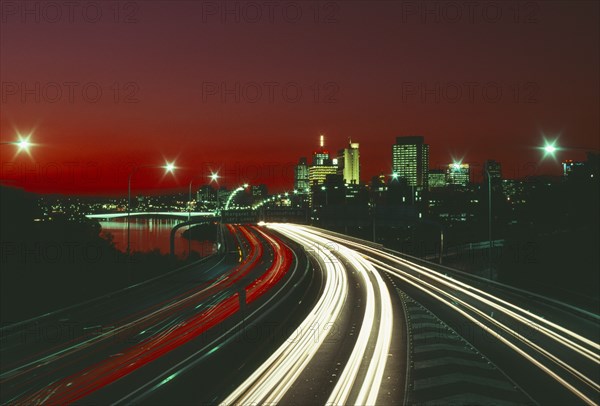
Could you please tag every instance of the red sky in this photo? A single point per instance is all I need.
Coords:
(360, 66)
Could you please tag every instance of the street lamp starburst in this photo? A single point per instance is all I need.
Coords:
(170, 167)
(550, 147)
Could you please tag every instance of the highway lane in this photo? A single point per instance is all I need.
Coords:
(346, 367)
(72, 369)
(526, 338)
(243, 343)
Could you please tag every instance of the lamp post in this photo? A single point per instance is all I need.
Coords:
(169, 167)
(213, 177)
(491, 244)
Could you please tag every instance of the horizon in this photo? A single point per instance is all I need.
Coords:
(231, 91)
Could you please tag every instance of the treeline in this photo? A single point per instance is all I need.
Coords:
(52, 262)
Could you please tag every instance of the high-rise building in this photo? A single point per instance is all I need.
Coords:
(437, 178)
(206, 193)
(322, 165)
(410, 160)
(495, 170)
(318, 174)
(349, 163)
(301, 183)
(321, 156)
(458, 174)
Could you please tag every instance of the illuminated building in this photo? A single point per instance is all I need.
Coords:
(301, 183)
(322, 165)
(410, 160)
(458, 174)
(349, 163)
(437, 178)
(206, 193)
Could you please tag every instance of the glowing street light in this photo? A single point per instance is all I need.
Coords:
(22, 143)
(214, 177)
(169, 167)
(549, 148)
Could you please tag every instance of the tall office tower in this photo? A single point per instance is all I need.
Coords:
(349, 163)
(495, 170)
(410, 160)
(458, 174)
(301, 176)
(437, 178)
(321, 166)
(320, 156)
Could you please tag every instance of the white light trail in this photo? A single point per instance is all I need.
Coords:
(448, 294)
(277, 375)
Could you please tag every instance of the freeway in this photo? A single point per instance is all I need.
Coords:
(298, 315)
(111, 348)
(549, 351)
(347, 365)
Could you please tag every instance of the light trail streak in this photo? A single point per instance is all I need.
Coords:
(278, 374)
(275, 376)
(530, 320)
(369, 388)
(472, 291)
(171, 336)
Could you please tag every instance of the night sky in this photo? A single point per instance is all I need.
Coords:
(360, 66)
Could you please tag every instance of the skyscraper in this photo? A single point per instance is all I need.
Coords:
(349, 163)
(301, 183)
(322, 165)
(458, 174)
(410, 160)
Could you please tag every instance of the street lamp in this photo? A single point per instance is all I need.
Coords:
(549, 148)
(490, 244)
(214, 176)
(169, 167)
(22, 143)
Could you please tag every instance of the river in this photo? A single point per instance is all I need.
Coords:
(151, 233)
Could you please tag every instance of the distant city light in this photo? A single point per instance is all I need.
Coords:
(214, 177)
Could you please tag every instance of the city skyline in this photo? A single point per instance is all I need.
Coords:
(403, 80)
(25, 172)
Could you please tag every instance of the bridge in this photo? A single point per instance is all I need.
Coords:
(183, 214)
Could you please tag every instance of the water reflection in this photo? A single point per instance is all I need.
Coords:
(152, 233)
